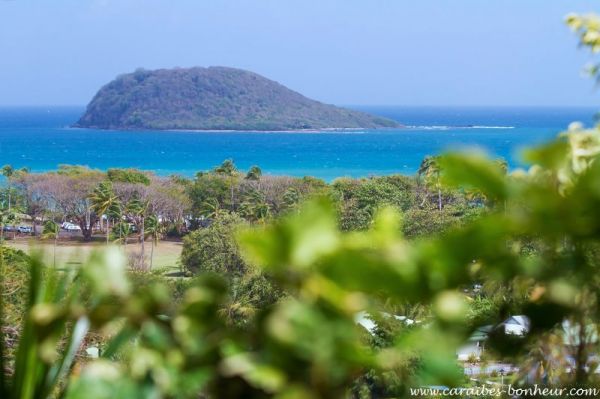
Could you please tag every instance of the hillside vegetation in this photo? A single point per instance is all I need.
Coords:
(215, 98)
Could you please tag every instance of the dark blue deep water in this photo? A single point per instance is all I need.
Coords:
(40, 138)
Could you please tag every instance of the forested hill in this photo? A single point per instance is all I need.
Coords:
(214, 98)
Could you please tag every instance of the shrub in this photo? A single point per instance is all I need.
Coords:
(214, 249)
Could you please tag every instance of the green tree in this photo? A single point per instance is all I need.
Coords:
(359, 199)
(103, 200)
(51, 230)
(121, 231)
(209, 192)
(212, 209)
(7, 216)
(231, 173)
(430, 171)
(291, 198)
(138, 209)
(8, 172)
(214, 249)
(132, 176)
(249, 295)
(154, 230)
(255, 207)
(69, 190)
(226, 168)
(254, 173)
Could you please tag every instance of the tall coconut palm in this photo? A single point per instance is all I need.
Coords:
(8, 172)
(103, 200)
(138, 209)
(263, 211)
(154, 230)
(228, 169)
(254, 173)
(255, 206)
(431, 172)
(253, 176)
(52, 230)
(212, 209)
(124, 230)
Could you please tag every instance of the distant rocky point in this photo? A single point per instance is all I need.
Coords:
(215, 98)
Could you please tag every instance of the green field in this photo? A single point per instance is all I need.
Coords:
(166, 253)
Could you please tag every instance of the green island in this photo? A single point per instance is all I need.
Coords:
(214, 98)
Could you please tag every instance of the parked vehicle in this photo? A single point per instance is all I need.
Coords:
(25, 229)
(70, 227)
(9, 228)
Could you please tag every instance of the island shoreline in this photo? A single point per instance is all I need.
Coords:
(297, 131)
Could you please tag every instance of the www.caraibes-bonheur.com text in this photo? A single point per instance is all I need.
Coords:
(506, 390)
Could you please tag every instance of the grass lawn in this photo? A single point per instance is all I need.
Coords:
(166, 253)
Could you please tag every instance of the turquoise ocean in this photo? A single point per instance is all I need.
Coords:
(41, 138)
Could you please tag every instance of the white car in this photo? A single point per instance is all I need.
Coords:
(70, 227)
(25, 229)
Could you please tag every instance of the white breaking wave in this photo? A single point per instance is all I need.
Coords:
(492, 127)
(443, 127)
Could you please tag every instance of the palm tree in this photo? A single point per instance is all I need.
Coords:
(7, 215)
(115, 213)
(52, 230)
(431, 171)
(240, 307)
(212, 209)
(291, 198)
(138, 209)
(154, 230)
(262, 209)
(255, 206)
(254, 173)
(253, 176)
(228, 169)
(103, 200)
(124, 230)
(8, 172)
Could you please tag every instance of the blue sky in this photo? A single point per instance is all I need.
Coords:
(372, 52)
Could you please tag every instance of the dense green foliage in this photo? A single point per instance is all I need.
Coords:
(359, 199)
(128, 176)
(215, 98)
(14, 282)
(214, 249)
